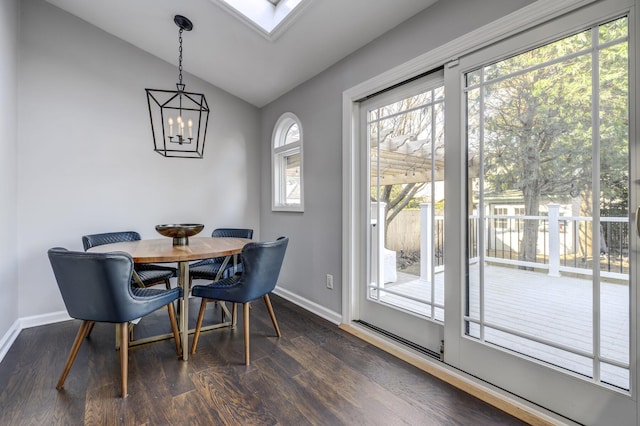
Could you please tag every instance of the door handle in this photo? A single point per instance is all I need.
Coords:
(638, 221)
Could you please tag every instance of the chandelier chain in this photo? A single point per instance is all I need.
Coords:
(180, 57)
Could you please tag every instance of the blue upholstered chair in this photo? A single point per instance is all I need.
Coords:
(96, 287)
(261, 268)
(149, 274)
(208, 269)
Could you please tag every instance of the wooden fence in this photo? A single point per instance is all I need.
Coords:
(404, 231)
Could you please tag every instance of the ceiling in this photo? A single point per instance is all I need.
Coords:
(226, 52)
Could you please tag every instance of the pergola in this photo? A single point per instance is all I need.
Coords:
(406, 159)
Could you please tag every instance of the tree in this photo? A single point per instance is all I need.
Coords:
(537, 112)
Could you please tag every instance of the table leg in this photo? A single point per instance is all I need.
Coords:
(137, 279)
(183, 281)
(225, 262)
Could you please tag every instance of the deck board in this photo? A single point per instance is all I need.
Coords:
(557, 309)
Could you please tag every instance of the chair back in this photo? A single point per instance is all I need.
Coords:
(96, 286)
(233, 233)
(93, 240)
(261, 267)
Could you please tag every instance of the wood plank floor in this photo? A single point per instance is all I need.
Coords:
(315, 374)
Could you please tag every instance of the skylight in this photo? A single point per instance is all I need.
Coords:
(268, 17)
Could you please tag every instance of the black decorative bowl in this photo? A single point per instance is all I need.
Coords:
(180, 232)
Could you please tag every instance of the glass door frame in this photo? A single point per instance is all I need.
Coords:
(420, 330)
(554, 388)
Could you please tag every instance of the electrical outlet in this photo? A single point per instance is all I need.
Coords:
(330, 281)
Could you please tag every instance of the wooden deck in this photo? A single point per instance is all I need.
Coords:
(558, 310)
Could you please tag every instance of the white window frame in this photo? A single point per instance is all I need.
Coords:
(279, 152)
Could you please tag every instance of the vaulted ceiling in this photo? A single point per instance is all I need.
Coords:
(225, 51)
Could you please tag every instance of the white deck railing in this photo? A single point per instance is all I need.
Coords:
(564, 243)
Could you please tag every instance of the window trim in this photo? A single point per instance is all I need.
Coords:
(279, 152)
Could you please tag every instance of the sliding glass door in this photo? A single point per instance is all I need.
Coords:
(533, 290)
(546, 298)
(403, 132)
(549, 201)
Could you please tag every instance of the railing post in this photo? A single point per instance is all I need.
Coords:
(426, 241)
(554, 240)
(377, 241)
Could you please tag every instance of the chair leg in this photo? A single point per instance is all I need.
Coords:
(90, 328)
(124, 358)
(85, 327)
(196, 334)
(245, 308)
(267, 301)
(167, 284)
(117, 337)
(234, 314)
(174, 328)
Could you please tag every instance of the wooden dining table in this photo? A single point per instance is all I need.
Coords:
(162, 250)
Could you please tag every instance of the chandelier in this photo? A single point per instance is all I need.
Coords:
(178, 118)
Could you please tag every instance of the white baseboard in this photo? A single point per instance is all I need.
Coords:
(27, 322)
(310, 306)
(44, 319)
(9, 337)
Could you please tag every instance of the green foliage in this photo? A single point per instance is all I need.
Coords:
(538, 132)
(534, 112)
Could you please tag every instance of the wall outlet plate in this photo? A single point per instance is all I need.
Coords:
(330, 281)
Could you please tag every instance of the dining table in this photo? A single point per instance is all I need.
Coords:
(162, 250)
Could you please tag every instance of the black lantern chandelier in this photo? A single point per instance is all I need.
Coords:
(178, 118)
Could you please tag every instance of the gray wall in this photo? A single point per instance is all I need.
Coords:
(316, 235)
(81, 161)
(85, 157)
(8, 170)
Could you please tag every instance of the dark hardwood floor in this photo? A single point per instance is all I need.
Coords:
(315, 374)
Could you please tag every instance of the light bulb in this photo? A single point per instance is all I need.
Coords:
(170, 121)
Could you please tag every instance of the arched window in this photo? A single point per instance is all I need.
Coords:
(286, 155)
